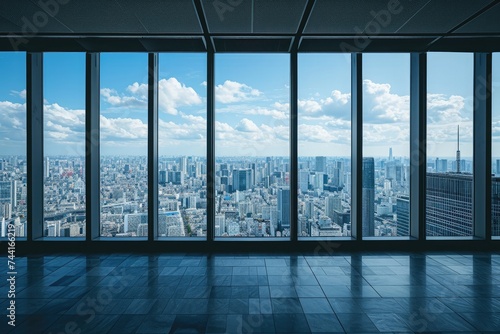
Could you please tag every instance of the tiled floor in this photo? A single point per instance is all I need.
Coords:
(221, 293)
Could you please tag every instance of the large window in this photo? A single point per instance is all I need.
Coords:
(495, 147)
(324, 145)
(252, 145)
(386, 146)
(182, 189)
(64, 144)
(252, 126)
(123, 145)
(449, 144)
(13, 167)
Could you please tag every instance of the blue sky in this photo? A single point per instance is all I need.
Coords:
(252, 104)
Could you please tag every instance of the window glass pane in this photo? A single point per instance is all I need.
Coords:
(13, 167)
(64, 144)
(252, 145)
(182, 189)
(324, 156)
(449, 144)
(123, 144)
(495, 147)
(386, 145)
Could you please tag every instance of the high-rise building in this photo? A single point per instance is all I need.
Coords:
(332, 203)
(5, 191)
(321, 164)
(7, 210)
(176, 177)
(284, 207)
(309, 209)
(242, 179)
(183, 164)
(368, 194)
(303, 181)
(495, 206)
(162, 177)
(3, 233)
(390, 153)
(441, 165)
(498, 167)
(403, 214)
(449, 204)
(220, 221)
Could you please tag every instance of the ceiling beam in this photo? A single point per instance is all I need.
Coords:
(294, 45)
(464, 22)
(204, 25)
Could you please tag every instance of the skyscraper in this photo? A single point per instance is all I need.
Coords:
(332, 203)
(403, 213)
(242, 179)
(449, 204)
(495, 206)
(183, 164)
(163, 177)
(368, 193)
(13, 197)
(303, 181)
(441, 165)
(284, 207)
(5, 191)
(321, 164)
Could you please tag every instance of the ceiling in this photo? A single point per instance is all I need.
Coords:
(250, 25)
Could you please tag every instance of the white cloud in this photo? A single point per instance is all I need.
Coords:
(338, 96)
(66, 117)
(383, 106)
(112, 97)
(282, 106)
(335, 102)
(246, 125)
(232, 91)
(123, 128)
(172, 94)
(309, 106)
(315, 133)
(276, 114)
(21, 94)
(442, 108)
(12, 121)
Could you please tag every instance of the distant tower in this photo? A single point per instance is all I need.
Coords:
(458, 148)
(284, 207)
(390, 153)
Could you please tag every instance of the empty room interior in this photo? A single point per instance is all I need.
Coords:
(250, 166)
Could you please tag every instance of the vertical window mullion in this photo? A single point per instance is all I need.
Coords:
(92, 154)
(418, 157)
(152, 146)
(481, 195)
(356, 144)
(293, 145)
(210, 145)
(34, 103)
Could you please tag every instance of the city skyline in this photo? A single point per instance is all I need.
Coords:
(245, 106)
